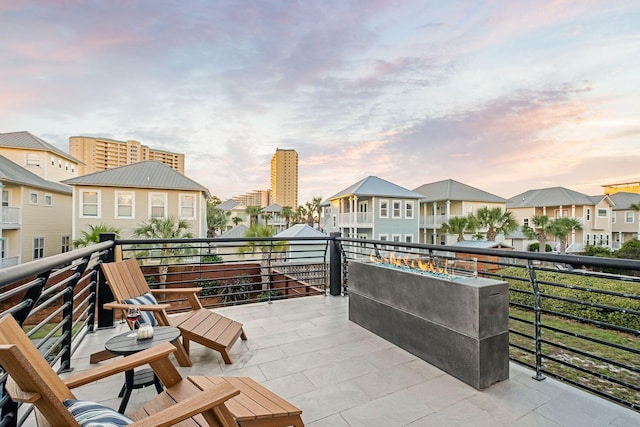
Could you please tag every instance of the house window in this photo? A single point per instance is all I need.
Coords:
(561, 213)
(3, 248)
(53, 161)
(384, 209)
(187, 206)
(588, 214)
(408, 210)
(33, 198)
(34, 159)
(613, 217)
(334, 221)
(5, 198)
(60, 164)
(408, 238)
(628, 217)
(90, 204)
(602, 213)
(383, 237)
(587, 238)
(157, 205)
(65, 244)
(38, 247)
(124, 204)
(397, 213)
(525, 222)
(48, 199)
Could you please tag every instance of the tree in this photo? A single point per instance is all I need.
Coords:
(300, 215)
(311, 208)
(216, 219)
(636, 207)
(629, 249)
(253, 212)
(539, 231)
(266, 248)
(318, 208)
(561, 228)
(460, 225)
(236, 220)
(165, 229)
(496, 221)
(287, 214)
(267, 216)
(93, 235)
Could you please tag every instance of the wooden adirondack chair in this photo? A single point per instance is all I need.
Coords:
(127, 282)
(32, 380)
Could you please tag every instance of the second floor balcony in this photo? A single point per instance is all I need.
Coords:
(10, 217)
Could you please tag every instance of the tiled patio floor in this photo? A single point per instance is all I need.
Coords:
(339, 374)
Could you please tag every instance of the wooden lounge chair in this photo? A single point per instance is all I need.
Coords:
(32, 380)
(127, 283)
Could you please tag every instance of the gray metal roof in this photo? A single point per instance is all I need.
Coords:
(555, 196)
(239, 230)
(26, 140)
(374, 186)
(300, 230)
(624, 200)
(16, 174)
(450, 189)
(227, 205)
(273, 208)
(147, 174)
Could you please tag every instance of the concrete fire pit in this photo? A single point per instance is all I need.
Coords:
(460, 326)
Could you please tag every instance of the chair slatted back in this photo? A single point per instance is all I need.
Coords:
(125, 278)
(32, 379)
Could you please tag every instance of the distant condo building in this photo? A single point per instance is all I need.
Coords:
(100, 154)
(254, 198)
(284, 178)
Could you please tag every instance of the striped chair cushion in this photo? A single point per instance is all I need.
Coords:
(146, 317)
(91, 414)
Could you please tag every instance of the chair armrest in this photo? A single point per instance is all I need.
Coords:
(144, 307)
(197, 404)
(190, 293)
(148, 356)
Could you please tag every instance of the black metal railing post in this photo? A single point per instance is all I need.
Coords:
(106, 318)
(537, 321)
(335, 266)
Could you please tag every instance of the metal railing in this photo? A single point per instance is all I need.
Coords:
(574, 318)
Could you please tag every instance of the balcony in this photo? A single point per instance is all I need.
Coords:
(308, 351)
(355, 219)
(10, 217)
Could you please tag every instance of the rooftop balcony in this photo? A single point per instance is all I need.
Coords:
(302, 345)
(307, 351)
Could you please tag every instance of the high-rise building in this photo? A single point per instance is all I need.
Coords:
(99, 154)
(284, 178)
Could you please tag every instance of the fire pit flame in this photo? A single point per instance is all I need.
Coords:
(420, 266)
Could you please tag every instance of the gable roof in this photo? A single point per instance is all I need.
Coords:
(230, 204)
(624, 200)
(11, 172)
(26, 141)
(239, 230)
(450, 189)
(300, 230)
(554, 196)
(273, 208)
(482, 244)
(146, 174)
(374, 186)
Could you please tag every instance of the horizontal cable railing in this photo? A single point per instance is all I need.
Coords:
(573, 318)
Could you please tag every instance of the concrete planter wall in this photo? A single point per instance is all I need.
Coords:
(460, 326)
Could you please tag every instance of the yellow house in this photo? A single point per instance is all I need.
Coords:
(127, 196)
(35, 220)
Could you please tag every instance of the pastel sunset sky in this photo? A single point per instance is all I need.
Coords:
(502, 95)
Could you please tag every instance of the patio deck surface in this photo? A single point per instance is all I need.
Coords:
(307, 351)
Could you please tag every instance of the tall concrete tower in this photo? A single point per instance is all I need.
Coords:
(284, 178)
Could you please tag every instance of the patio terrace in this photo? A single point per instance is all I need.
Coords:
(307, 351)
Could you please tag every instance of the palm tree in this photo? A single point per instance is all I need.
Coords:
(311, 208)
(253, 212)
(236, 220)
(287, 214)
(216, 219)
(496, 221)
(165, 229)
(460, 225)
(539, 231)
(300, 215)
(266, 247)
(562, 227)
(93, 235)
(266, 216)
(318, 208)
